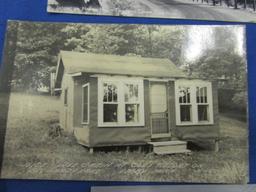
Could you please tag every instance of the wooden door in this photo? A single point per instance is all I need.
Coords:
(159, 110)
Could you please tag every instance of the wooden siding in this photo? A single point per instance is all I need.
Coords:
(66, 111)
(92, 136)
(107, 136)
(195, 132)
(81, 131)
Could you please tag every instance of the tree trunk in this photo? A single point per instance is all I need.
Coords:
(228, 3)
(235, 4)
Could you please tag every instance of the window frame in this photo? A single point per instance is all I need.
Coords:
(193, 84)
(120, 82)
(88, 101)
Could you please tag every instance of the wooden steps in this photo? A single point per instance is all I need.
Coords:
(169, 147)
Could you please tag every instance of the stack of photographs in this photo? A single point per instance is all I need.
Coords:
(129, 102)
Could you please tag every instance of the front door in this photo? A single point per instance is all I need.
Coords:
(159, 110)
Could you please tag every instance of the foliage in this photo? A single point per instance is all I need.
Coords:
(117, 7)
(38, 46)
(223, 63)
(37, 49)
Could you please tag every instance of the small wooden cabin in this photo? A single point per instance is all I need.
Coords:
(110, 100)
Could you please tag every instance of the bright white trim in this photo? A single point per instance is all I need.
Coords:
(116, 77)
(88, 110)
(75, 74)
(133, 77)
(57, 69)
(159, 80)
(120, 82)
(193, 84)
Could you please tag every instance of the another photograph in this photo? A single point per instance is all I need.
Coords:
(221, 10)
(125, 102)
(177, 188)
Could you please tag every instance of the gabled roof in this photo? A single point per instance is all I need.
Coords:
(75, 62)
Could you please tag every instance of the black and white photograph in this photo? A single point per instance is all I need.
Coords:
(177, 188)
(221, 10)
(125, 102)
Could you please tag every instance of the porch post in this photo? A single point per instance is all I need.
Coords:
(217, 145)
(91, 150)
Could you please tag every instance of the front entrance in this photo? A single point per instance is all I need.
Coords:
(159, 110)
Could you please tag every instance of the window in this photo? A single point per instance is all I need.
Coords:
(85, 104)
(66, 97)
(132, 103)
(110, 102)
(185, 104)
(121, 102)
(193, 102)
(202, 104)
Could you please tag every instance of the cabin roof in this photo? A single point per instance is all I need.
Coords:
(122, 65)
(75, 62)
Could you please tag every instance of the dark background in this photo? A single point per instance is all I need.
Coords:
(35, 10)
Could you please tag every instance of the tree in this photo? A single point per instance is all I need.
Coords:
(37, 49)
(224, 62)
(38, 45)
(142, 40)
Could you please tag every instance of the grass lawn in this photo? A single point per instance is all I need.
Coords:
(31, 154)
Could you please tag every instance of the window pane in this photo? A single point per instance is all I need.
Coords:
(85, 104)
(132, 112)
(185, 113)
(202, 112)
(66, 97)
(110, 113)
(131, 93)
(201, 94)
(110, 92)
(184, 94)
(85, 113)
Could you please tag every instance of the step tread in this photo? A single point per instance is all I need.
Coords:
(167, 143)
(172, 152)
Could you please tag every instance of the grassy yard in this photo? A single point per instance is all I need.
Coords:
(31, 154)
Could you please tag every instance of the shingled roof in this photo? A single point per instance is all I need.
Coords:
(74, 62)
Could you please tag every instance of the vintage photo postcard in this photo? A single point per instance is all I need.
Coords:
(177, 188)
(221, 10)
(125, 102)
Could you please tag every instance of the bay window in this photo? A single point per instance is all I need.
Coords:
(120, 102)
(193, 102)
